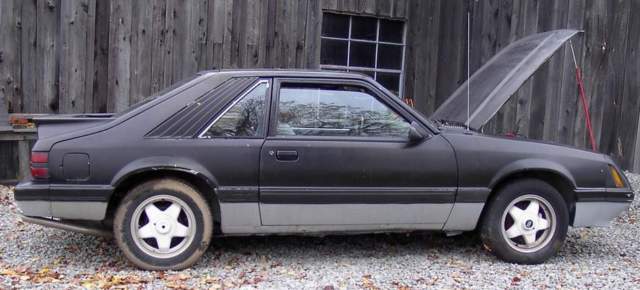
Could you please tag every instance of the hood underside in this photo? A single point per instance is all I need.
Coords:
(492, 85)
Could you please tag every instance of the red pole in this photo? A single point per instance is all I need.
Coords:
(585, 107)
(583, 99)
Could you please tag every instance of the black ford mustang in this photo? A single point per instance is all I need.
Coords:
(297, 152)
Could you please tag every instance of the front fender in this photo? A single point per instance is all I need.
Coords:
(532, 164)
(170, 163)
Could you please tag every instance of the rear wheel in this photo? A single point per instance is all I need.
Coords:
(163, 224)
(526, 222)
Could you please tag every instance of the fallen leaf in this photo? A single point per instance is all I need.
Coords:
(367, 283)
(515, 280)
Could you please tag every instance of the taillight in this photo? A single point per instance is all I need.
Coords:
(40, 165)
(39, 157)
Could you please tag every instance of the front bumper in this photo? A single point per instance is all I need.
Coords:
(78, 202)
(599, 206)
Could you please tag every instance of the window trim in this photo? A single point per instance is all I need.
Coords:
(272, 132)
(236, 101)
(377, 42)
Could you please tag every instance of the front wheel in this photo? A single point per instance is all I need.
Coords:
(163, 225)
(526, 222)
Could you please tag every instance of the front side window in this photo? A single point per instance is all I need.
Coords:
(336, 110)
(245, 118)
(368, 45)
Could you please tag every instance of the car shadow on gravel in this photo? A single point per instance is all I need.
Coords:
(287, 250)
(309, 249)
(357, 242)
(104, 253)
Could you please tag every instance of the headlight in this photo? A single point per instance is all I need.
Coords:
(617, 179)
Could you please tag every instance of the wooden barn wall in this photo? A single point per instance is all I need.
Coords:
(66, 56)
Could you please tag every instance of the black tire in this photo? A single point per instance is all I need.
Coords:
(193, 207)
(497, 218)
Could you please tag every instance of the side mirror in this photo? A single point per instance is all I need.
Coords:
(415, 133)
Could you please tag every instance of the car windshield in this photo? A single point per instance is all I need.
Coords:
(156, 95)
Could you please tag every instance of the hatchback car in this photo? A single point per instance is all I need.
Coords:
(258, 152)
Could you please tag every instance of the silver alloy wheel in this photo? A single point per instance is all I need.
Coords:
(528, 223)
(163, 226)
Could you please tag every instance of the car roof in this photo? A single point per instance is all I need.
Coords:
(289, 73)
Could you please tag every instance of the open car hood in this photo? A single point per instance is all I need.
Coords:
(493, 84)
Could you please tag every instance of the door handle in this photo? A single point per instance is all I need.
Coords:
(287, 155)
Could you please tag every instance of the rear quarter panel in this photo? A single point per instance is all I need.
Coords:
(114, 147)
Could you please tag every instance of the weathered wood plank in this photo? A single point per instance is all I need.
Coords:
(71, 51)
(631, 102)
(29, 56)
(263, 20)
(10, 54)
(76, 58)
(215, 33)
(47, 48)
(141, 45)
(413, 47)
(158, 44)
(200, 25)
(279, 57)
(312, 34)
(169, 36)
(119, 55)
(401, 8)
(227, 45)
(284, 33)
(611, 126)
(452, 49)
(298, 39)
(422, 55)
(270, 38)
(238, 29)
(350, 6)
(384, 8)
(251, 51)
(101, 57)
(23, 153)
(329, 4)
(195, 37)
(181, 55)
(476, 51)
(367, 6)
(89, 69)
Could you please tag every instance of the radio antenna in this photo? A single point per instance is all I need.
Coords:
(468, 65)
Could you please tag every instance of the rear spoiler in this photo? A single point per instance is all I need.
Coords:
(70, 118)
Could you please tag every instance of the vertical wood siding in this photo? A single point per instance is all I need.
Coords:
(68, 56)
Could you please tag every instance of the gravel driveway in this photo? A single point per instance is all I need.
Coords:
(33, 256)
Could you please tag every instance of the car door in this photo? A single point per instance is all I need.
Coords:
(229, 147)
(337, 153)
